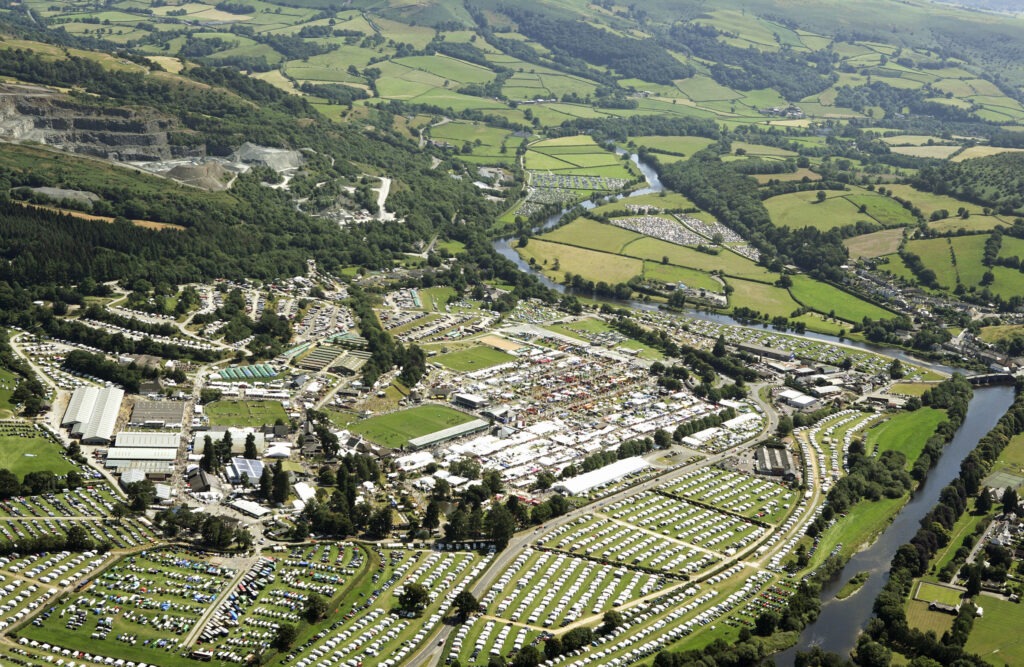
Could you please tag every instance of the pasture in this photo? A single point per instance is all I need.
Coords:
(557, 259)
(876, 244)
(766, 299)
(594, 235)
(930, 202)
(395, 429)
(473, 358)
(245, 413)
(974, 223)
(826, 299)
(673, 145)
(905, 432)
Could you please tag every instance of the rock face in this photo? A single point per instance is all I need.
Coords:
(31, 113)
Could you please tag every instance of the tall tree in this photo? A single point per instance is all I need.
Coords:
(250, 447)
(279, 485)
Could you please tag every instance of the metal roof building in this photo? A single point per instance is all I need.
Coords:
(252, 469)
(92, 413)
(450, 433)
(238, 436)
(157, 414)
(147, 439)
(575, 486)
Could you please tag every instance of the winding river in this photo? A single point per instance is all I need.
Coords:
(841, 620)
(506, 248)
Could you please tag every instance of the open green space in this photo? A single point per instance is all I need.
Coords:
(996, 636)
(905, 432)
(594, 235)
(8, 383)
(557, 259)
(473, 358)
(397, 428)
(245, 413)
(827, 299)
(768, 299)
(860, 525)
(875, 244)
(929, 592)
(24, 450)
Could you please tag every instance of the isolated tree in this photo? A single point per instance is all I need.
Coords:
(465, 603)
(1011, 503)
(315, 609)
(413, 599)
(285, 636)
(279, 486)
(432, 516)
(501, 526)
(250, 447)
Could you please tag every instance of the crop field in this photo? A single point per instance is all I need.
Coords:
(767, 299)
(245, 413)
(737, 493)
(982, 151)
(24, 448)
(876, 244)
(591, 264)
(473, 358)
(397, 428)
(825, 299)
(935, 152)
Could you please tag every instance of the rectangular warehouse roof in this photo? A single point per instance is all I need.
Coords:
(238, 436)
(142, 453)
(157, 413)
(92, 412)
(147, 439)
(575, 486)
(450, 433)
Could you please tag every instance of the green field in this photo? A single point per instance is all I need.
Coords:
(768, 299)
(826, 299)
(876, 244)
(588, 233)
(996, 636)
(8, 383)
(21, 451)
(685, 146)
(397, 428)
(473, 358)
(245, 413)
(905, 432)
(591, 264)
(937, 255)
(802, 209)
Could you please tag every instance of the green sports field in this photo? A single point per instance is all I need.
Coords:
(22, 451)
(397, 428)
(473, 358)
(245, 413)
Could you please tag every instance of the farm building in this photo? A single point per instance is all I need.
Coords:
(451, 433)
(773, 461)
(147, 439)
(92, 413)
(581, 484)
(157, 414)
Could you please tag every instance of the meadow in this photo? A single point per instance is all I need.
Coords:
(876, 244)
(905, 432)
(826, 299)
(23, 449)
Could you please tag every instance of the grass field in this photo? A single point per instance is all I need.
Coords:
(825, 299)
(8, 383)
(590, 264)
(23, 455)
(921, 617)
(875, 244)
(911, 388)
(768, 299)
(929, 202)
(994, 334)
(996, 637)
(802, 209)
(937, 256)
(975, 223)
(905, 432)
(685, 146)
(473, 358)
(860, 525)
(245, 413)
(397, 428)
(594, 235)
